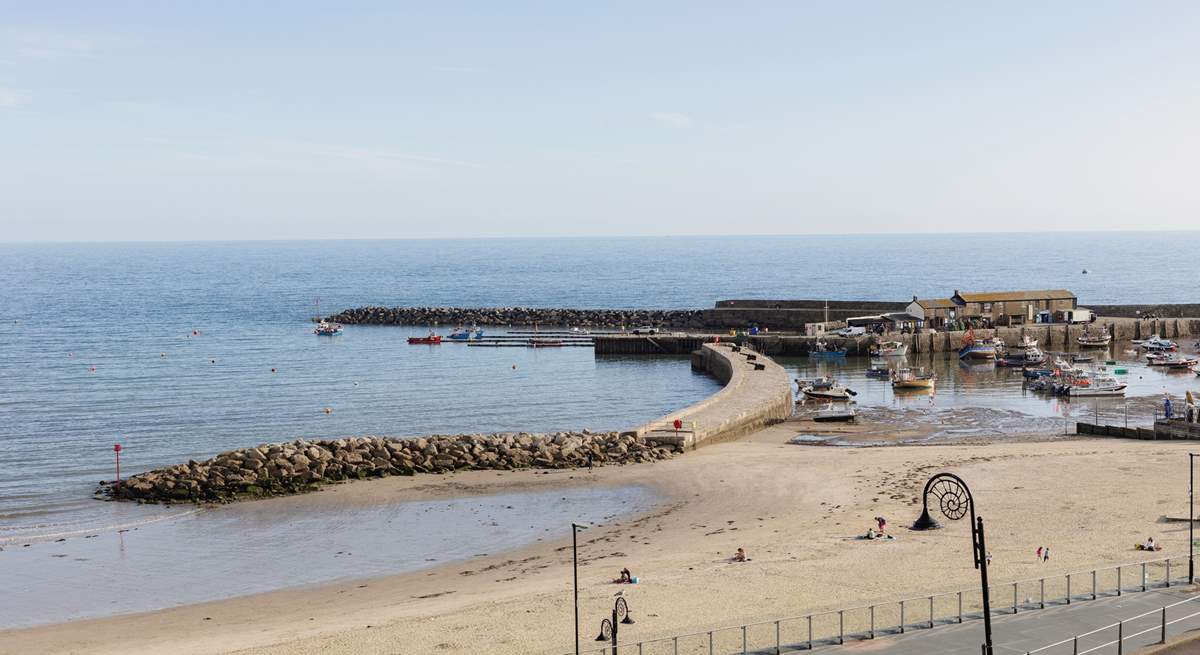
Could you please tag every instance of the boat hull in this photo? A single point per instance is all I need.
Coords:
(429, 341)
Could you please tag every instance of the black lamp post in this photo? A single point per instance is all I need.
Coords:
(1191, 518)
(575, 528)
(609, 628)
(955, 501)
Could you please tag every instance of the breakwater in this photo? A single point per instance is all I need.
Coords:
(303, 465)
(588, 318)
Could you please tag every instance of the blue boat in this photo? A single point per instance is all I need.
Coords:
(822, 350)
(466, 335)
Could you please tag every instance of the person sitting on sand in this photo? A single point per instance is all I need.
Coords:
(871, 534)
(1150, 545)
(626, 577)
(739, 556)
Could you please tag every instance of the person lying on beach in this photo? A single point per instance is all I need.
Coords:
(740, 556)
(626, 576)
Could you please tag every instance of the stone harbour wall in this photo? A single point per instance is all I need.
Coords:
(302, 465)
(592, 318)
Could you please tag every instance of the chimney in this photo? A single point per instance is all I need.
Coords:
(914, 298)
(956, 292)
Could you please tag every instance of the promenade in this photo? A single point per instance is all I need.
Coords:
(1021, 633)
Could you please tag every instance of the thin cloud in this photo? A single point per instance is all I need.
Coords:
(672, 119)
(44, 44)
(10, 98)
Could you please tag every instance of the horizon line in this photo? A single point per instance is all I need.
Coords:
(585, 236)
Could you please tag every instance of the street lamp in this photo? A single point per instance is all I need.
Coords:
(609, 628)
(1191, 518)
(954, 500)
(575, 528)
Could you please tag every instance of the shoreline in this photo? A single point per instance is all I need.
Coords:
(796, 532)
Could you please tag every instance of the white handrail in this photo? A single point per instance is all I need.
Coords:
(1160, 610)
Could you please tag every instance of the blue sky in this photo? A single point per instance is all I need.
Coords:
(268, 120)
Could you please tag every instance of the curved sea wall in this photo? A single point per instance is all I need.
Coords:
(303, 465)
(757, 393)
(605, 318)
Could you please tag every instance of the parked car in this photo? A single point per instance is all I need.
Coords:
(851, 332)
(645, 329)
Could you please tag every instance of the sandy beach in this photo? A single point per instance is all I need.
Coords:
(795, 509)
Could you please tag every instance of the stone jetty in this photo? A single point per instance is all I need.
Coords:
(302, 465)
(589, 318)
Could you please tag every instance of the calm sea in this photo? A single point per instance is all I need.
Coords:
(168, 348)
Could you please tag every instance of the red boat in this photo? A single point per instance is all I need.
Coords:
(545, 343)
(431, 340)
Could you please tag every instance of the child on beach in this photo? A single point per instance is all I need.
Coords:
(739, 556)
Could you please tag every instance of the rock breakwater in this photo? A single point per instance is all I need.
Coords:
(592, 318)
(303, 465)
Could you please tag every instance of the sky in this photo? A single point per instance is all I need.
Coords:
(223, 120)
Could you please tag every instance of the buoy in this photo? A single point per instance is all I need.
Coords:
(162, 354)
(1085, 271)
(212, 361)
(92, 369)
(195, 333)
(514, 367)
(328, 410)
(356, 384)
(272, 370)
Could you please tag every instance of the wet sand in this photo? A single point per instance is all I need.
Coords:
(796, 510)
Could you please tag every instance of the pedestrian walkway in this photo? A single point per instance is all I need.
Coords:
(1020, 633)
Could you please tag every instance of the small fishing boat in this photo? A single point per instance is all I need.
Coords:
(1034, 373)
(431, 340)
(466, 334)
(1091, 339)
(1100, 385)
(1082, 359)
(835, 393)
(823, 382)
(1157, 343)
(890, 349)
(821, 349)
(1170, 360)
(327, 329)
(976, 350)
(834, 414)
(913, 379)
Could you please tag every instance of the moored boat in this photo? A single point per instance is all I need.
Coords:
(431, 340)
(1170, 360)
(880, 371)
(971, 349)
(913, 379)
(465, 334)
(834, 393)
(1099, 385)
(823, 349)
(1091, 339)
(890, 349)
(1157, 343)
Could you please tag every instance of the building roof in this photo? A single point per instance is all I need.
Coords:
(899, 317)
(936, 303)
(864, 320)
(1006, 296)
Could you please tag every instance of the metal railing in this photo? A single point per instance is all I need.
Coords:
(1158, 627)
(804, 632)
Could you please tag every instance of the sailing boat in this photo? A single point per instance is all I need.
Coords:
(325, 328)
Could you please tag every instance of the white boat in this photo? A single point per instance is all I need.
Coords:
(834, 393)
(1156, 342)
(325, 328)
(1170, 360)
(1091, 339)
(1099, 385)
(890, 349)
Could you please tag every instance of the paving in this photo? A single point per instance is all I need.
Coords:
(1026, 631)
